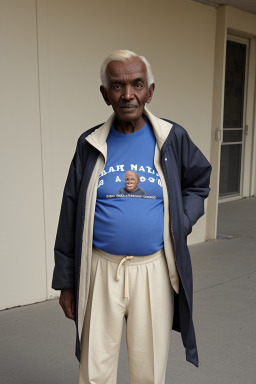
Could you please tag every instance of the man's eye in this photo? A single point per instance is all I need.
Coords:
(138, 85)
(116, 86)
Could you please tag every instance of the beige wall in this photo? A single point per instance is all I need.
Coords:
(52, 96)
(22, 246)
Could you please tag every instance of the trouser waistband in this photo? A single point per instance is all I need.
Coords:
(132, 259)
(127, 261)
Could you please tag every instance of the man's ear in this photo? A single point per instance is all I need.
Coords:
(105, 94)
(150, 92)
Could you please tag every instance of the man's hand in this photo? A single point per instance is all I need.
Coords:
(67, 302)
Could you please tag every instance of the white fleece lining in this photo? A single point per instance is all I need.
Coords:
(98, 140)
(168, 247)
(86, 254)
(161, 130)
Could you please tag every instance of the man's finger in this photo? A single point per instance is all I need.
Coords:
(67, 309)
(67, 303)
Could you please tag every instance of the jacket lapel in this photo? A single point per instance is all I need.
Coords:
(161, 128)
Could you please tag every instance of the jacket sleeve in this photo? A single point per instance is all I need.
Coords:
(64, 250)
(195, 180)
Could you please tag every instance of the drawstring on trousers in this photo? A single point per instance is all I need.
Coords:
(126, 274)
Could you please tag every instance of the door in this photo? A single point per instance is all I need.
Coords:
(234, 128)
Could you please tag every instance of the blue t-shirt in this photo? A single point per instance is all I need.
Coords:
(129, 214)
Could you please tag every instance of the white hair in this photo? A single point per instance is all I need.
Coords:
(123, 55)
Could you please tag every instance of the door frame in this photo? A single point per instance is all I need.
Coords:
(246, 42)
(248, 154)
(241, 24)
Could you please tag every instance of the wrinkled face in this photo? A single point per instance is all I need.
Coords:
(128, 90)
(131, 181)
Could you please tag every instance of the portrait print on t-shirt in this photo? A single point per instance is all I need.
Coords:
(129, 180)
(131, 185)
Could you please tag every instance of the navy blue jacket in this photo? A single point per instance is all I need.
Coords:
(187, 176)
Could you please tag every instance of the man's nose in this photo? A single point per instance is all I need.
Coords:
(127, 93)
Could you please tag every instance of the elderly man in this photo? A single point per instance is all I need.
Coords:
(126, 258)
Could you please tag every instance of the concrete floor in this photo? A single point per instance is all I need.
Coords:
(37, 341)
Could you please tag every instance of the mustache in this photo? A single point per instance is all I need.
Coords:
(127, 105)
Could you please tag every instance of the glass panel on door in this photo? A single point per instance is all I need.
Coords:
(233, 122)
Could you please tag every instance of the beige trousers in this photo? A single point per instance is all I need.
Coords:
(139, 289)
